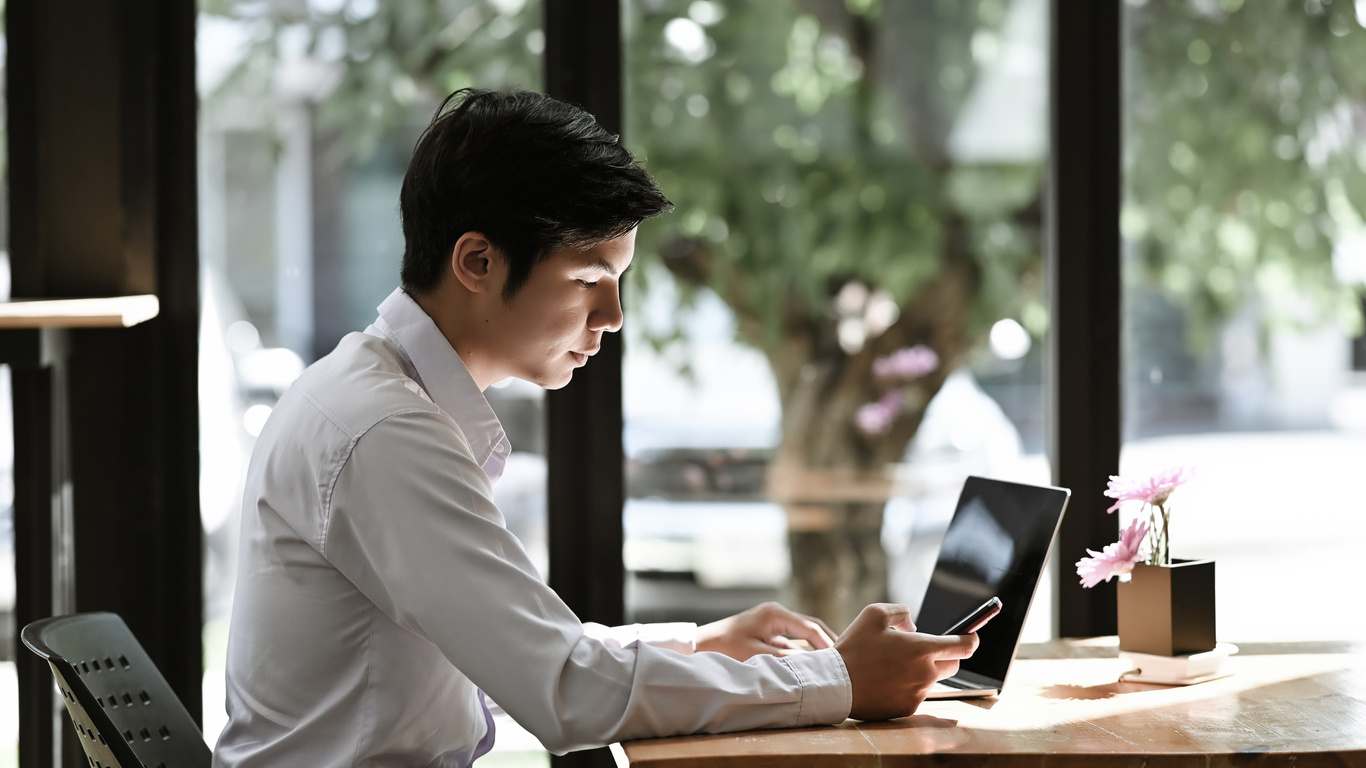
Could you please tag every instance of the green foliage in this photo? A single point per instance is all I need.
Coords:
(1243, 156)
(381, 66)
(804, 145)
(805, 142)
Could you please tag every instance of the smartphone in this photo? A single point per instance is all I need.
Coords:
(974, 621)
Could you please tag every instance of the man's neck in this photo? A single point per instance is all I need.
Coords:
(460, 331)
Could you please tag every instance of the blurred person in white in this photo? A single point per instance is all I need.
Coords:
(380, 595)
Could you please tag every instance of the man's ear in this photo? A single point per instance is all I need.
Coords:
(476, 263)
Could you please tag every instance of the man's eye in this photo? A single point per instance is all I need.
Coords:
(588, 284)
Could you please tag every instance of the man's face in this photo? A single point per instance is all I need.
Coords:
(556, 321)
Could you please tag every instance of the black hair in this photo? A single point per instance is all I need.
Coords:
(531, 173)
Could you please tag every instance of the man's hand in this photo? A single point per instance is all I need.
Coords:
(891, 666)
(763, 629)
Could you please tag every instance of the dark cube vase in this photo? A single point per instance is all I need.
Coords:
(1168, 610)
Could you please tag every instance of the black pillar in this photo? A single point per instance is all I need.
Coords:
(1084, 282)
(101, 116)
(586, 483)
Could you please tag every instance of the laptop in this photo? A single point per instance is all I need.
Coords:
(995, 546)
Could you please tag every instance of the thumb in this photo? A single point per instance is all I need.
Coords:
(952, 646)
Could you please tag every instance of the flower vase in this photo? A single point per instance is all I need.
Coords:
(1168, 610)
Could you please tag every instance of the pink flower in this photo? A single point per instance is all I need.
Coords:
(1117, 559)
(906, 364)
(1149, 490)
(877, 417)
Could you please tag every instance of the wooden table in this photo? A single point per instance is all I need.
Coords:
(1285, 704)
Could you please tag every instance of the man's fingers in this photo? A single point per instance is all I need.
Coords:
(812, 624)
(890, 615)
(828, 631)
(778, 646)
(891, 666)
(941, 647)
(787, 622)
(799, 626)
(813, 633)
(954, 646)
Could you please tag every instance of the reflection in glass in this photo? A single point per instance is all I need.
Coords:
(978, 543)
(858, 195)
(995, 547)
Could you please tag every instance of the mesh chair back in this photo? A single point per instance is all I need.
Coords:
(125, 712)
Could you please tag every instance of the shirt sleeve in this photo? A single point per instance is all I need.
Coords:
(411, 522)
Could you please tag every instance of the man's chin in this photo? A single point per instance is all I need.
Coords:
(557, 380)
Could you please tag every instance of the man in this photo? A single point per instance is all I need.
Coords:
(381, 602)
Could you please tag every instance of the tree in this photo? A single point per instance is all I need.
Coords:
(808, 145)
(1244, 158)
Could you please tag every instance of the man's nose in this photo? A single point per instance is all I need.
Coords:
(607, 316)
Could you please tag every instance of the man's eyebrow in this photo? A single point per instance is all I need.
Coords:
(606, 266)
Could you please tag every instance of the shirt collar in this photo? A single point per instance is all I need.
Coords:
(443, 375)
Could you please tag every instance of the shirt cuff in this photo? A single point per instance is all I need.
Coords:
(678, 636)
(827, 695)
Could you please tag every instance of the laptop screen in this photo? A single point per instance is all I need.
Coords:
(995, 545)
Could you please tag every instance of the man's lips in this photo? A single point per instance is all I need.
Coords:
(582, 357)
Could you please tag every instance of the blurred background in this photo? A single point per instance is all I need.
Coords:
(845, 315)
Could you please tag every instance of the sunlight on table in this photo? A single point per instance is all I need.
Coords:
(1050, 693)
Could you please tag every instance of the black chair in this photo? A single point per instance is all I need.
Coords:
(126, 714)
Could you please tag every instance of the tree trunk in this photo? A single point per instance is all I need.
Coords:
(834, 479)
(833, 483)
(830, 477)
(838, 563)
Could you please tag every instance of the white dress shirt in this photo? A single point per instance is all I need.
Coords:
(379, 591)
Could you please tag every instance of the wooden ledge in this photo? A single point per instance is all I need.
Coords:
(111, 312)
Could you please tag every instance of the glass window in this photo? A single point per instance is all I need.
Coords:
(309, 113)
(1244, 260)
(842, 319)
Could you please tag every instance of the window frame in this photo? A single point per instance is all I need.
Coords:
(583, 65)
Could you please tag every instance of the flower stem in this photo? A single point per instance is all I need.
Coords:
(1153, 537)
(1166, 536)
